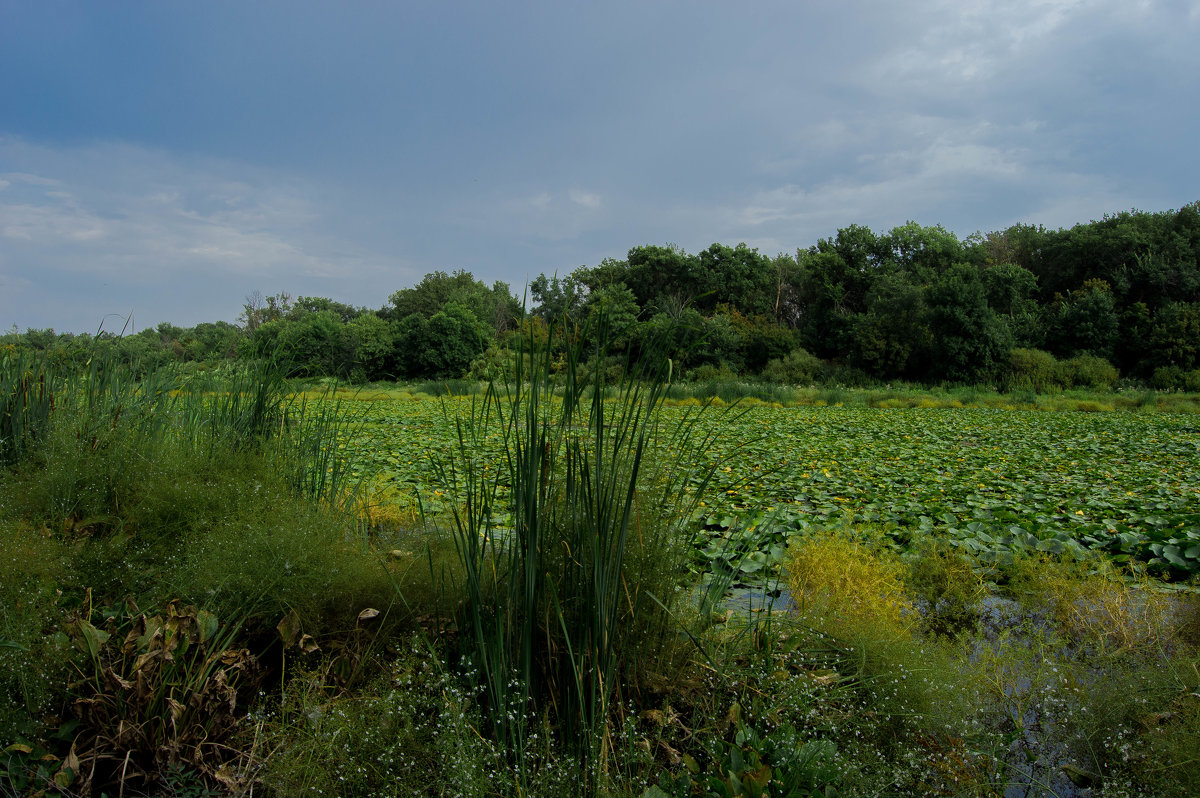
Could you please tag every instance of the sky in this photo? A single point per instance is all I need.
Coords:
(161, 161)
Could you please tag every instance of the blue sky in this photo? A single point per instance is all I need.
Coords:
(166, 159)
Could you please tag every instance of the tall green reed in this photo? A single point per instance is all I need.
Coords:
(239, 408)
(29, 385)
(251, 405)
(243, 404)
(311, 448)
(557, 597)
(37, 390)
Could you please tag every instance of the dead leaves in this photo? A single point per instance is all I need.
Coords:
(162, 691)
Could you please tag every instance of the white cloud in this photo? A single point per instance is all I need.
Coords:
(968, 42)
(142, 227)
(585, 198)
(144, 215)
(63, 220)
(547, 215)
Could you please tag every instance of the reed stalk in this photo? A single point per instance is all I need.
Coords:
(557, 602)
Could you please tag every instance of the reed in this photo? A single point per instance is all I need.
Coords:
(558, 603)
(29, 385)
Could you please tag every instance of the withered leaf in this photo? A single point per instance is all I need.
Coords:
(289, 628)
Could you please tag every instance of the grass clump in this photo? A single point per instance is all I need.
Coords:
(558, 605)
(840, 580)
(946, 590)
(1109, 613)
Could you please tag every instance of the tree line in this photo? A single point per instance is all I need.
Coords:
(1026, 307)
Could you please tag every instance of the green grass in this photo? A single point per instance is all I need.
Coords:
(538, 629)
(147, 493)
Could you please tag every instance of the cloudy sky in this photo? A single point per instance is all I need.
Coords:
(166, 159)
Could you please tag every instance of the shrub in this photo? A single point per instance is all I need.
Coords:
(1087, 371)
(710, 373)
(1173, 378)
(1031, 369)
(797, 367)
(842, 376)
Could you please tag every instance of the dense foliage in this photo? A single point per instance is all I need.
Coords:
(1025, 307)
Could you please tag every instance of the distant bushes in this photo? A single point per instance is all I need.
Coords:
(797, 367)
(1173, 378)
(1039, 371)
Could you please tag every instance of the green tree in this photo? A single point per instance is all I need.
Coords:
(922, 252)
(1010, 293)
(676, 335)
(558, 299)
(970, 343)
(1084, 322)
(494, 306)
(760, 338)
(214, 341)
(616, 307)
(658, 273)
(316, 344)
(828, 293)
(442, 345)
(892, 339)
(1175, 336)
(316, 304)
(721, 343)
(1132, 352)
(259, 310)
(374, 343)
(737, 276)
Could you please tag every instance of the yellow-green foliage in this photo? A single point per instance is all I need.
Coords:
(943, 581)
(839, 581)
(1094, 665)
(1092, 605)
(1032, 369)
(1079, 405)
(854, 592)
(381, 506)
